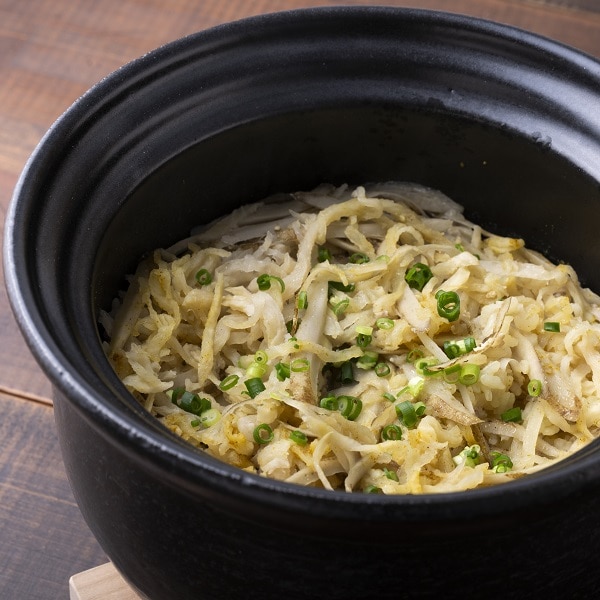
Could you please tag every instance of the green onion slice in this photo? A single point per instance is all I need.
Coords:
(229, 382)
(373, 489)
(302, 302)
(448, 305)
(263, 433)
(407, 414)
(299, 437)
(255, 386)
(340, 287)
(299, 365)
(189, 401)
(210, 417)
(340, 307)
(329, 402)
(368, 360)
(456, 348)
(261, 357)
(469, 374)
(203, 277)
(552, 326)
(349, 406)
(264, 282)
(282, 370)
(417, 276)
(384, 323)
(359, 258)
(347, 372)
(512, 415)
(323, 254)
(422, 366)
(391, 432)
(501, 463)
(382, 369)
(534, 387)
(390, 474)
(256, 370)
(363, 340)
(452, 373)
(414, 355)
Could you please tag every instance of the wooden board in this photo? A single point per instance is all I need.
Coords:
(100, 583)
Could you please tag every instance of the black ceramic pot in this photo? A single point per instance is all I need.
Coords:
(504, 122)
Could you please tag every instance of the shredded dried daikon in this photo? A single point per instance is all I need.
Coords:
(302, 338)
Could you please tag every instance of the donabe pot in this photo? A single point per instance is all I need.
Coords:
(504, 122)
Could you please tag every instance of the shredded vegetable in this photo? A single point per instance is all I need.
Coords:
(370, 340)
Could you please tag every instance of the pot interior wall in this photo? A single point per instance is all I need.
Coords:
(509, 183)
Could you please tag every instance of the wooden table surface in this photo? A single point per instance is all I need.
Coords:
(51, 51)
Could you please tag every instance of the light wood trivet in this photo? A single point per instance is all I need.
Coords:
(100, 583)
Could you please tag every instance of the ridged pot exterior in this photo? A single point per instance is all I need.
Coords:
(502, 121)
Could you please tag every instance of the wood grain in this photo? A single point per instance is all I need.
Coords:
(52, 51)
(43, 539)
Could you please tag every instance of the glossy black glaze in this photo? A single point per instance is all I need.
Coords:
(502, 121)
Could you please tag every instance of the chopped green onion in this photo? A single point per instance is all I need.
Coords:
(364, 329)
(256, 370)
(459, 247)
(189, 401)
(390, 474)
(414, 387)
(382, 369)
(210, 417)
(389, 397)
(512, 415)
(299, 365)
(359, 258)
(417, 276)
(263, 434)
(363, 340)
(282, 370)
(373, 489)
(414, 355)
(349, 406)
(420, 408)
(384, 323)
(391, 432)
(255, 386)
(469, 374)
(347, 372)
(340, 307)
(452, 349)
(534, 387)
(407, 414)
(229, 382)
(368, 360)
(340, 287)
(448, 305)
(329, 402)
(501, 463)
(469, 455)
(452, 373)
(203, 277)
(264, 282)
(195, 422)
(422, 364)
(552, 326)
(261, 357)
(323, 254)
(302, 300)
(299, 437)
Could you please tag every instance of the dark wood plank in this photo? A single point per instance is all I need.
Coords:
(43, 539)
